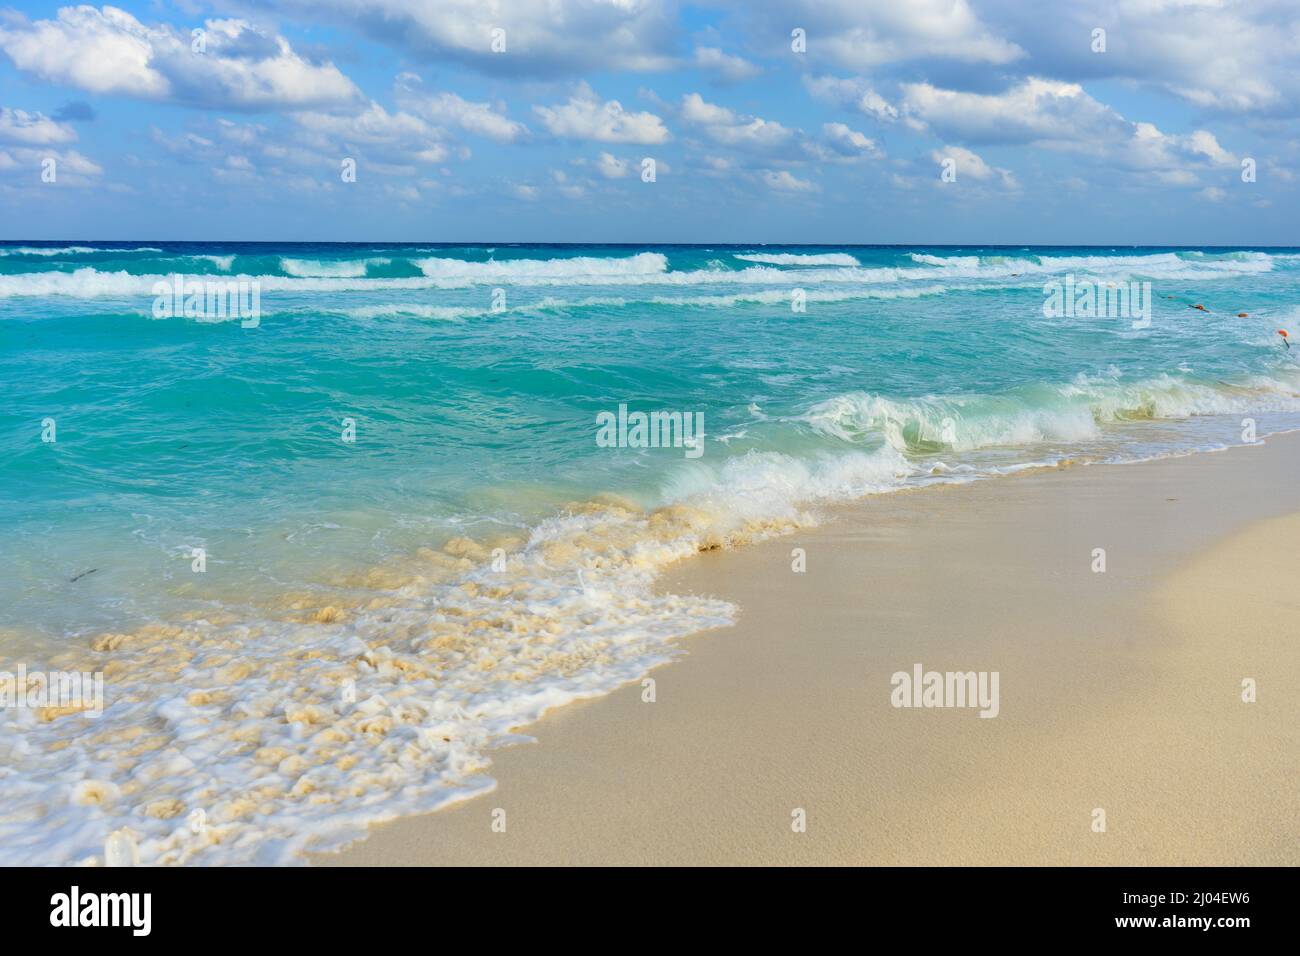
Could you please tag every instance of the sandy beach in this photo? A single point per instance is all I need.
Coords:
(1119, 690)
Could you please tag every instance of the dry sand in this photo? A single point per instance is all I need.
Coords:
(1119, 690)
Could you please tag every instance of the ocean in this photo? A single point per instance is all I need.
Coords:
(330, 547)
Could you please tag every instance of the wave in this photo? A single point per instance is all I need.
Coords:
(765, 297)
(649, 269)
(334, 268)
(415, 310)
(1157, 265)
(383, 693)
(640, 265)
(791, 259)
(1069, 413)
(66, 250)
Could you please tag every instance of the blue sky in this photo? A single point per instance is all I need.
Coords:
(240, 132)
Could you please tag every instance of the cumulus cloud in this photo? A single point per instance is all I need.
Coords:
(110, 51)
(1062, 116)
(400, 134)
(71, 167)
(972, 166)
(480, 119)
(849, 142)
(586, 116)
(29, 141)
(727, 128)
(1033, 111)
(611, 167)
(20, 128)
(863, 34)
(783, 180)
(542, 37)
(732, 69)
(1217, 54)
(851, 93)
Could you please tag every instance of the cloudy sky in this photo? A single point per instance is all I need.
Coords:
(769, 120)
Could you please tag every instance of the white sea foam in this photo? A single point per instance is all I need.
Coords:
(1156, 265)
(331, 268)
(415, 310)
(763, 297)
(579, 267)
(792, 259)
(65, 250)
(1069, 413)
(645, 269)
(290, 735)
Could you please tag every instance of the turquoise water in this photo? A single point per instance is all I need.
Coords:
(476, 424)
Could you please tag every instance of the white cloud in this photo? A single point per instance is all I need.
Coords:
(110, 51)
(400, 137)
(849, 142)
(481, 119)
(785, 181)
(852, 93)
(20, 128)
(542, 37)
(970, 165)
(1036, 110)
(29, 140)
(696, 110)
(725, 127)
(731, 68)
(611, 167)
(567, 187)
(71, 168)
(1062, 116)
(717, 166)
(1219, 54)
(860, 34)
(585, 116)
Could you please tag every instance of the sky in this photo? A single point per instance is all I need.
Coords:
(1124, 122)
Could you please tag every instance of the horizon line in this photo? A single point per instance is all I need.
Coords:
(810, 245)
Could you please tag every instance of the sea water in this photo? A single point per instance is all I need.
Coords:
(327, 559)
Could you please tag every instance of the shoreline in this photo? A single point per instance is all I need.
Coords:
(789, 708)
